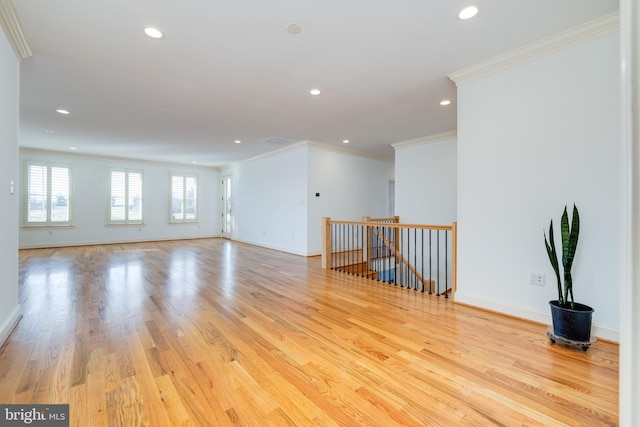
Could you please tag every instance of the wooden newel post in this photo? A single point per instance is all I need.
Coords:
(454, 258)
(366, 244)
(326, 243)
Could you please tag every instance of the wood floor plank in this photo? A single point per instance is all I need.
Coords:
(96, 398)
(78, 401)
(152, 394)
(211, 332)
(171, 402)
(124, 406)
(198, 384)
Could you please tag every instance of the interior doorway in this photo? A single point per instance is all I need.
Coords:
(391, 208)
(227, 208)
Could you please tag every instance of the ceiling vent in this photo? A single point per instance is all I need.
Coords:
(277, 141)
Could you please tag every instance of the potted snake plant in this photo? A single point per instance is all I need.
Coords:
(571, 320)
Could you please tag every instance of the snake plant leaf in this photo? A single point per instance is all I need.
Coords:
(573, 244)
(573, 236)
(564, 234)
(553, 258)
(570, 233)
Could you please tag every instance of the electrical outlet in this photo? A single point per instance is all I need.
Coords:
(536, 279)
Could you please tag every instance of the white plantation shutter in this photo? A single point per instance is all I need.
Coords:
(48, 194)
(37, 194)
(118, 194)
(191, 197)
(177, 198)
(125, 193)
(60, 200)
(134, 207)
(184, 198)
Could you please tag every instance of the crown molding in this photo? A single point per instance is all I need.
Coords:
(597, 28)
(290, 147)
(98, 157)
(13, 30)
(304, 144)
(342, 150)
(444, 136)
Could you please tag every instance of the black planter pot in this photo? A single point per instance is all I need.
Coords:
(572, 324)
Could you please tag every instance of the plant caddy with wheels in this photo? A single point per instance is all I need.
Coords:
(571, 320)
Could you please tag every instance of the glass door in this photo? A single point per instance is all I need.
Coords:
(227, 213)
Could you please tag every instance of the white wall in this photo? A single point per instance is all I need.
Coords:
(9, 88)
(530, 140)
(273, 196)
(426, 181)
(269, 200)
(350, 187)
(90, 203)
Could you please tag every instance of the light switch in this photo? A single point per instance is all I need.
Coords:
(12, 187)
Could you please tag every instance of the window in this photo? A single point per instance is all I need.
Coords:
(125, 196)
(48, 194)
(184, 198)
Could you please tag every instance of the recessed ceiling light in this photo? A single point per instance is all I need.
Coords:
(315, 92)
(294, 28)
(73, 148)
(445, 102)
(49, 131)
(194, 162)
(468, 12)
(237, 141)
(345, 141)
(153, 32)
(62, 111)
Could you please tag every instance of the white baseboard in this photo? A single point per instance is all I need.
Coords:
(113, 242)
(276, 248)
(530, 314)
(10, 323)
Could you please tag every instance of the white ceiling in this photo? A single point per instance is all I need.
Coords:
(229, 70)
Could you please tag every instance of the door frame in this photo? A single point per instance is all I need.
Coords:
(226, 207)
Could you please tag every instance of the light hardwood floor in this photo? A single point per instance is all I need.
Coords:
(212, 332)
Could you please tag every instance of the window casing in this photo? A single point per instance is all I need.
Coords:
(125, 196)
(184, 198)
(48, 198)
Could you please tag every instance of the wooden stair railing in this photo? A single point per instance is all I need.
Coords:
(359, 254)
(398, 255)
